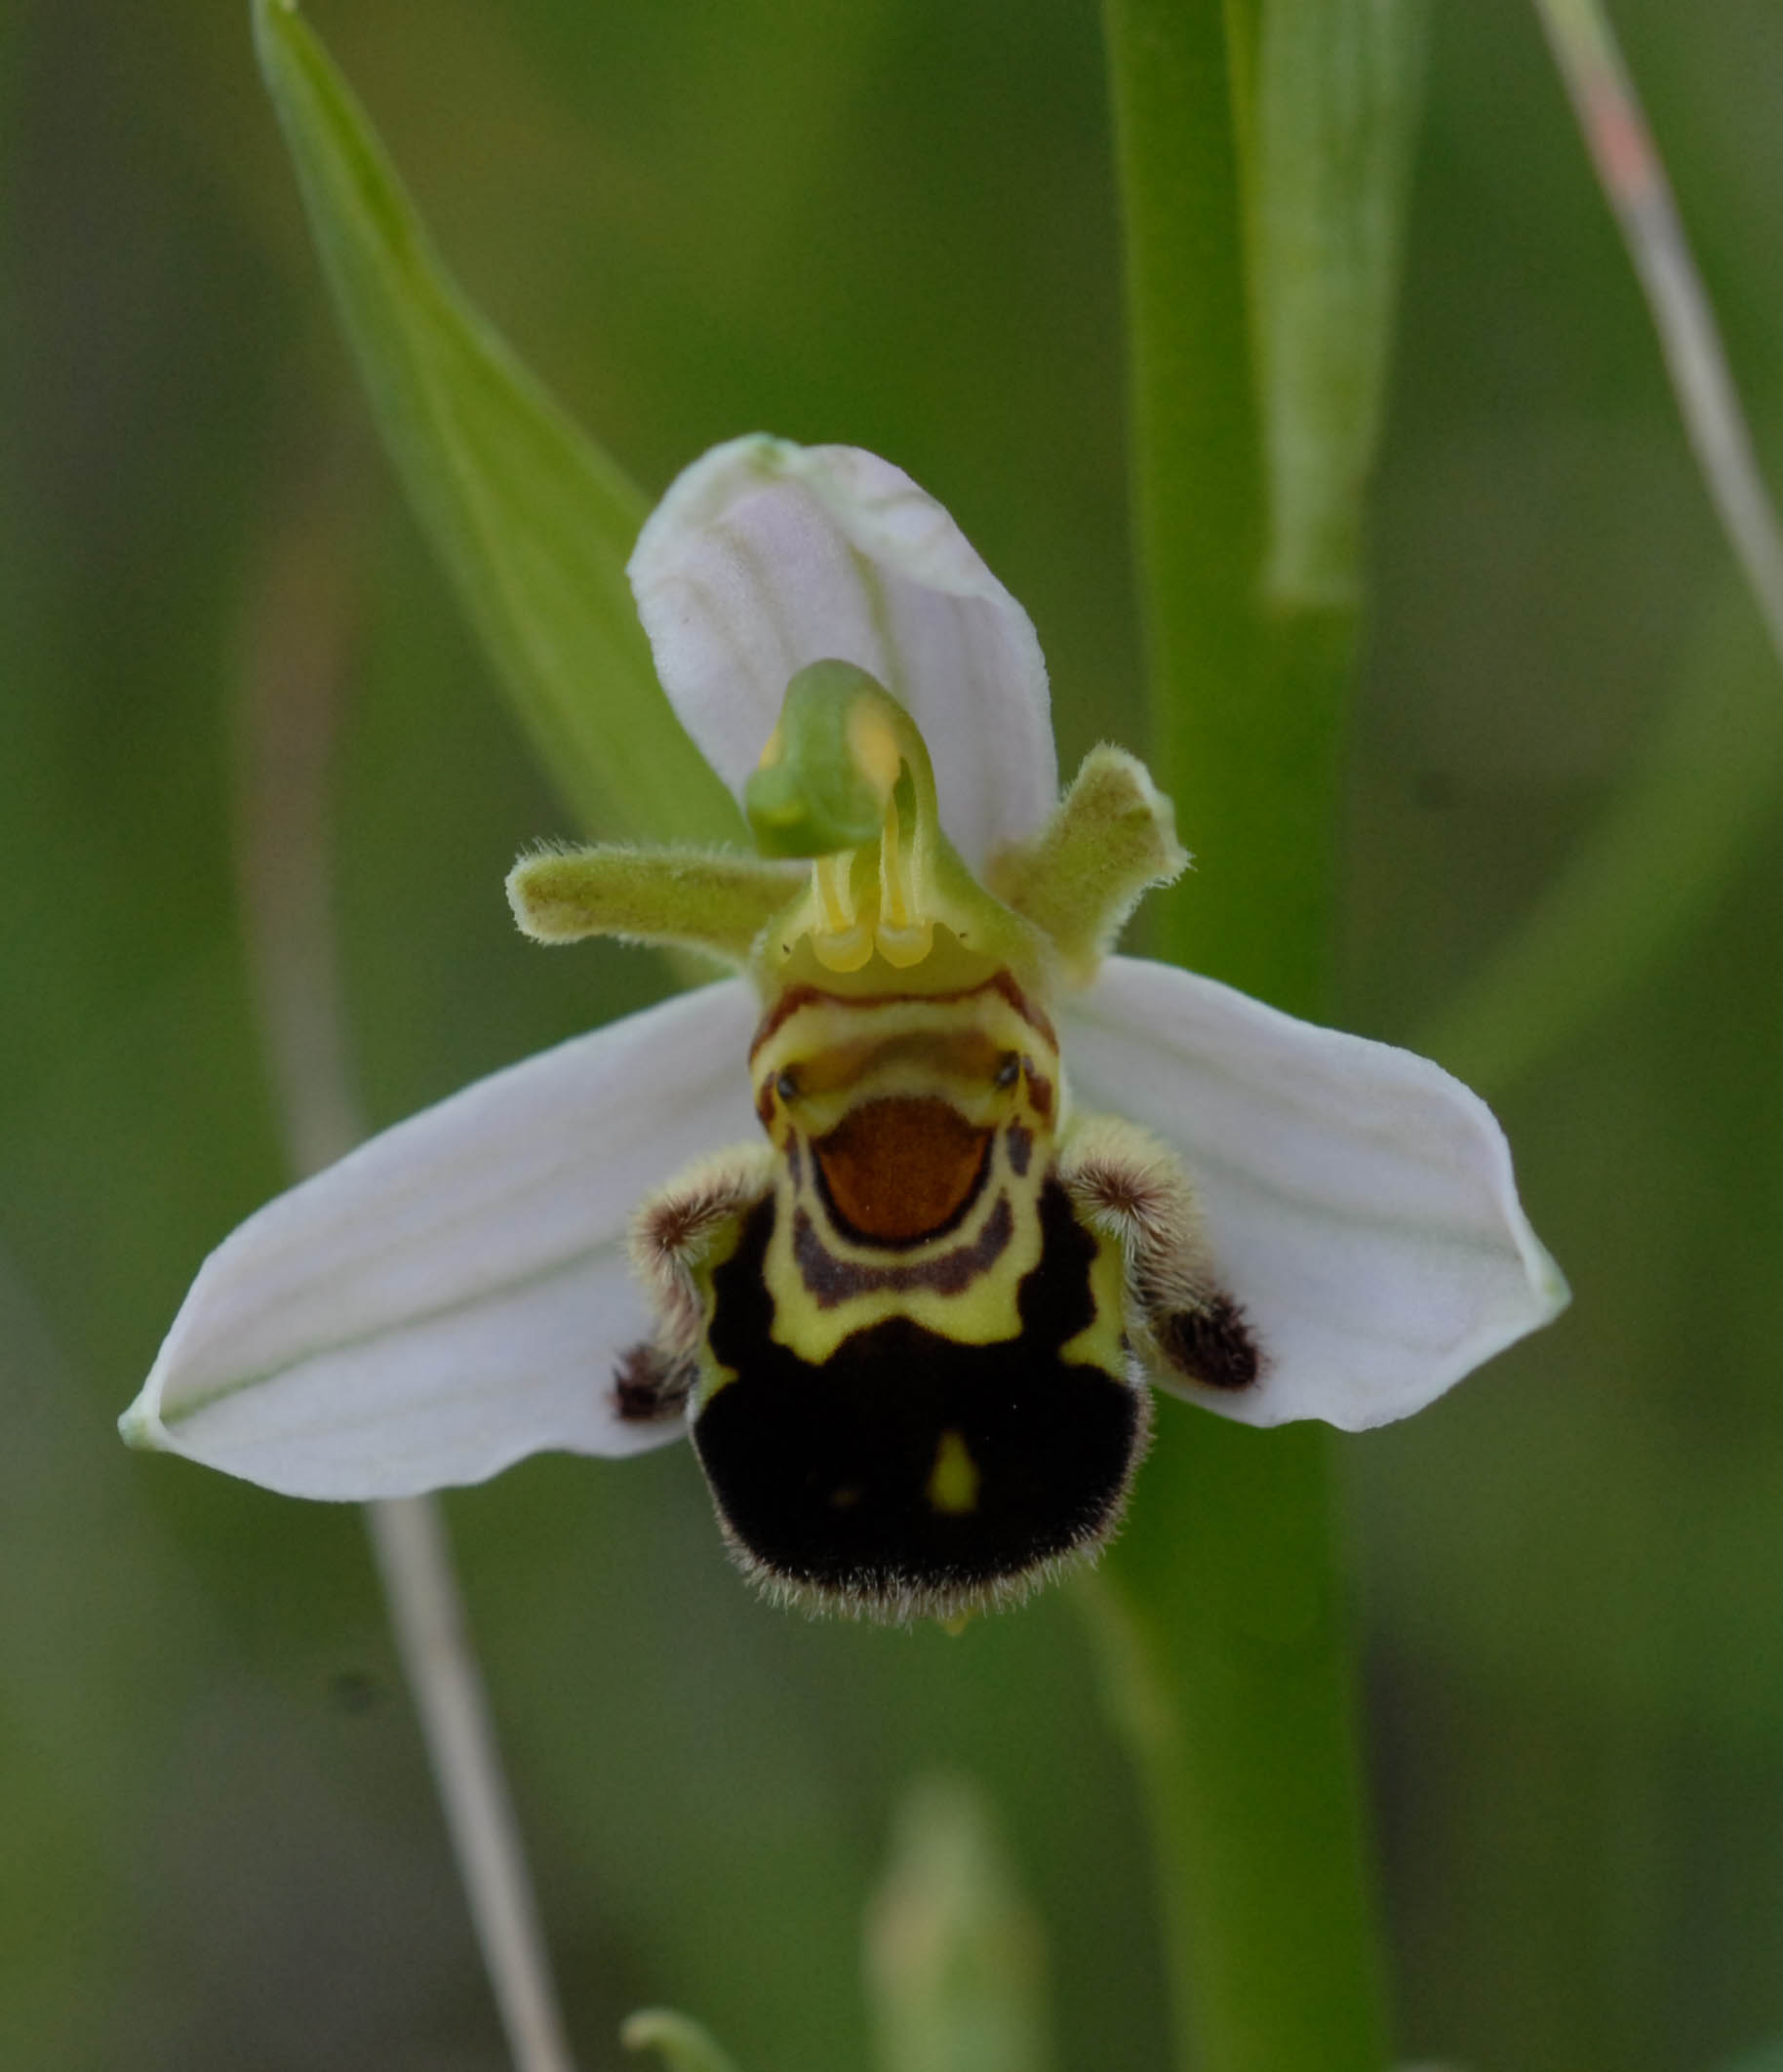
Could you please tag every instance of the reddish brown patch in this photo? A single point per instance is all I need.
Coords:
(789, 1003)
(1123, 1193)
(676, 1226)
(902, 1169)
(1033, 1015)
(1213, 1345)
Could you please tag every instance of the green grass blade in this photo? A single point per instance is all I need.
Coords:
(533, 521)
(1325, 151)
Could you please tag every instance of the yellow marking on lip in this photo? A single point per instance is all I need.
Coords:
(953, 1481)
(970, 1057)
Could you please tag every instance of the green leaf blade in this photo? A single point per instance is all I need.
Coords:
(1338, 93)
(532, 522)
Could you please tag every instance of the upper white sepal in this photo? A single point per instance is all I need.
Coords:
(765, 556)
(1359, 1201)
(454, 1293)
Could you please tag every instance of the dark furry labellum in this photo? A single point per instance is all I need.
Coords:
(909, 1330)
(909, 1475)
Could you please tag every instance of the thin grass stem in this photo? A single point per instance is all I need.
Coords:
(298, 632)
(1634, 180)
(440, 1661)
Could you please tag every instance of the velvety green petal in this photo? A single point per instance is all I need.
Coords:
(1112, 838)
(686, 899)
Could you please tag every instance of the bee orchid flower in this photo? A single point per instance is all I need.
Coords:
(902, 1220)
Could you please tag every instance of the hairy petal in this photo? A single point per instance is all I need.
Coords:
(710, 899)
(1110, 839)
(764, 557)
(1359, 1201)
(454, 1293)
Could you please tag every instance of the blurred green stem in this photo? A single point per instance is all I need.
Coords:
(1263, 154)
(954, 1962)
(1198, 479)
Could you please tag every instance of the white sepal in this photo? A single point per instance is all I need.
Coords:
(765, 556)
(454, 1293)
(1359, 1200)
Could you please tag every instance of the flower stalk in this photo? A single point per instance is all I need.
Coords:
(1221, 1612)
(440, 1662)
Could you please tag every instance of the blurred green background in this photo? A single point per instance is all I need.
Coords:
(892, 224)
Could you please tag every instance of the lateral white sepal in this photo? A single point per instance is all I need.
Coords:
(1358, 1200)
(454, 1293)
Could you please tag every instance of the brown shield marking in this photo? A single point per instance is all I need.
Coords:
(902, 1169)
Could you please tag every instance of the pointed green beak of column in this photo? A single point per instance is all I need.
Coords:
(830, 765)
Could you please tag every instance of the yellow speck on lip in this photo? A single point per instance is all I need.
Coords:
(953, 1481)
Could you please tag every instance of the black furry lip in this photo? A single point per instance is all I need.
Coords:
(828, 1477)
